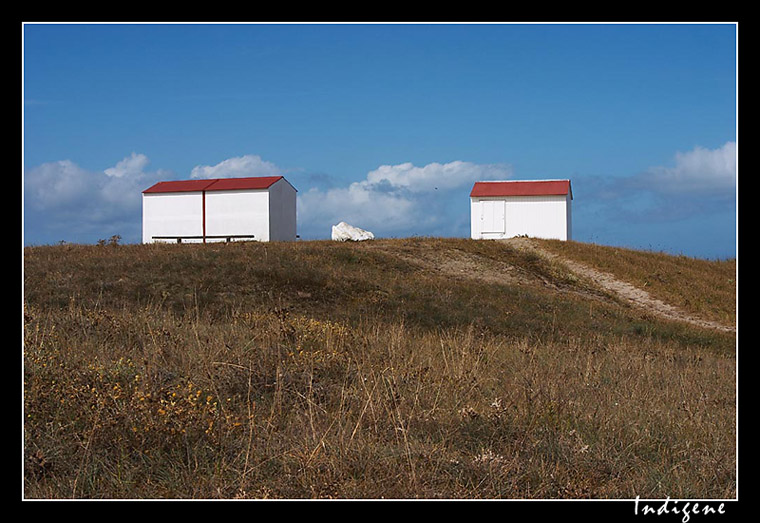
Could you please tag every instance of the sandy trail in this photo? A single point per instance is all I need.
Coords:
(627, 292)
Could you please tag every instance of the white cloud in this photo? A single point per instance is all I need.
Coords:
(241, 166)
(435, 175)
(695, 171)
(63, 196)
(132, 165)
(355, 204)
(57, 184)
(397, 199)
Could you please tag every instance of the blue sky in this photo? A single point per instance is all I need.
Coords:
(387, 126)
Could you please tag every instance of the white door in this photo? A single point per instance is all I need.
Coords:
(492, 216)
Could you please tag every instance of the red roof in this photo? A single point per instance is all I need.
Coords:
(216, 184)
(522, 188)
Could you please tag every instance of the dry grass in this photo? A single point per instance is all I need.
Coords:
(322, 370)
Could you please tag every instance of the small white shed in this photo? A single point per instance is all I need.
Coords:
(219, 210)
(536, 208)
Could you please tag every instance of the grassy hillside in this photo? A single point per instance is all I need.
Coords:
(411, 368)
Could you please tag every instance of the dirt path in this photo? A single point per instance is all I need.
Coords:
(629, 293)
(459, 264)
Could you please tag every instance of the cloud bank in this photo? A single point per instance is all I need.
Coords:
(63, 201)
(395, 200)
(700, 181)
(699, 171)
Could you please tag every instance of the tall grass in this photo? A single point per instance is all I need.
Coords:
(316, 370)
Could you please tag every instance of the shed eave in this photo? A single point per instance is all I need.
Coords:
(260, 183)
(496, 189)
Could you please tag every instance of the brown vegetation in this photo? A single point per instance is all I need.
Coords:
(369, 370)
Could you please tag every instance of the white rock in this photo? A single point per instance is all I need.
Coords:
(345, 232)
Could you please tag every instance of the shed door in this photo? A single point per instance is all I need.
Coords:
(492, 216)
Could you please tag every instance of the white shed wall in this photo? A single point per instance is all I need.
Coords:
(172, 214)
(237, 213)
(267, 214)
(282, 211)
(536, 216)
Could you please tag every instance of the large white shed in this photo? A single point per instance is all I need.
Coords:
(219, 210)
(535, 208)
